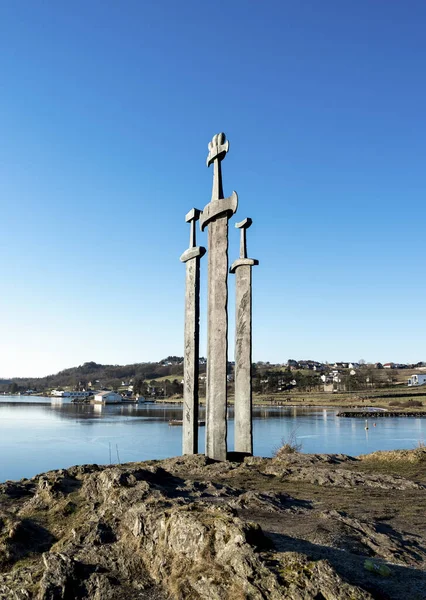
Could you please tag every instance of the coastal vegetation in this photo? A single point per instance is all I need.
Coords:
(95, 375)
(267, 378)
(304, 383)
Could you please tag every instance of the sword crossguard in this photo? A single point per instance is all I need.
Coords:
(218, 148)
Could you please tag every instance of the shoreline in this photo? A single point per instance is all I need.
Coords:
(381, 414)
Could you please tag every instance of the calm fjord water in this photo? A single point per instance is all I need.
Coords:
(37, 434)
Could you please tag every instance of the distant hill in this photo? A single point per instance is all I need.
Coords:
(98, 375)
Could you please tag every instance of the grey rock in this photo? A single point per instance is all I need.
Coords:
(170, 529)
(58, 581)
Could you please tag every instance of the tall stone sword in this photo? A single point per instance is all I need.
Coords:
(192, 258)
(216, 215)
(243, 434)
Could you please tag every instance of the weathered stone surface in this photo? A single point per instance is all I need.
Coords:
(191, 357)
(150, 531)
(192, 258)
(59, 580)
(331, 477)
(243, 421)
(217, 340)
(190, 528)
(243, 435)
(216, 215)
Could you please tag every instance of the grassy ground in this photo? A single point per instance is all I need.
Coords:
(165, 377)
(347, 522)
(384, 398)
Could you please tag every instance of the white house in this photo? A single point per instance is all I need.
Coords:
(416, 380)
(108, 398)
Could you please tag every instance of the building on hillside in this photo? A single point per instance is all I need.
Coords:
(417, 380)
(389, 366)
(292, 364)
(108, 398)
(93, 383)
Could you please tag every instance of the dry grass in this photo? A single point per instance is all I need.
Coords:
(362, 398)
(409, 456)
(406, 403)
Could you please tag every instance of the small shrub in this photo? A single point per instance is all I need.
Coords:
(289, 445)
(413, 403)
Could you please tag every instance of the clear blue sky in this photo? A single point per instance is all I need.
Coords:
(106, 110)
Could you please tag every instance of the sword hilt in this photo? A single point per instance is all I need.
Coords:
(193, 251)
(192, 217)
(218, 148)
(243, 226)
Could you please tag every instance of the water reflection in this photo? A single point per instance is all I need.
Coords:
(37, 434)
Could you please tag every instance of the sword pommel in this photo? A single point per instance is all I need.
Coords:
(193, 215)
(245, 224)
(218, 148)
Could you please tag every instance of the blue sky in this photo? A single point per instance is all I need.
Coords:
(106, 110)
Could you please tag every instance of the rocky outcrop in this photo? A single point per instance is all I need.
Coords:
(189, 528)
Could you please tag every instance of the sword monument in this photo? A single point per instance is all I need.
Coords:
(215, 215)
(242, 267)
(192, 258)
